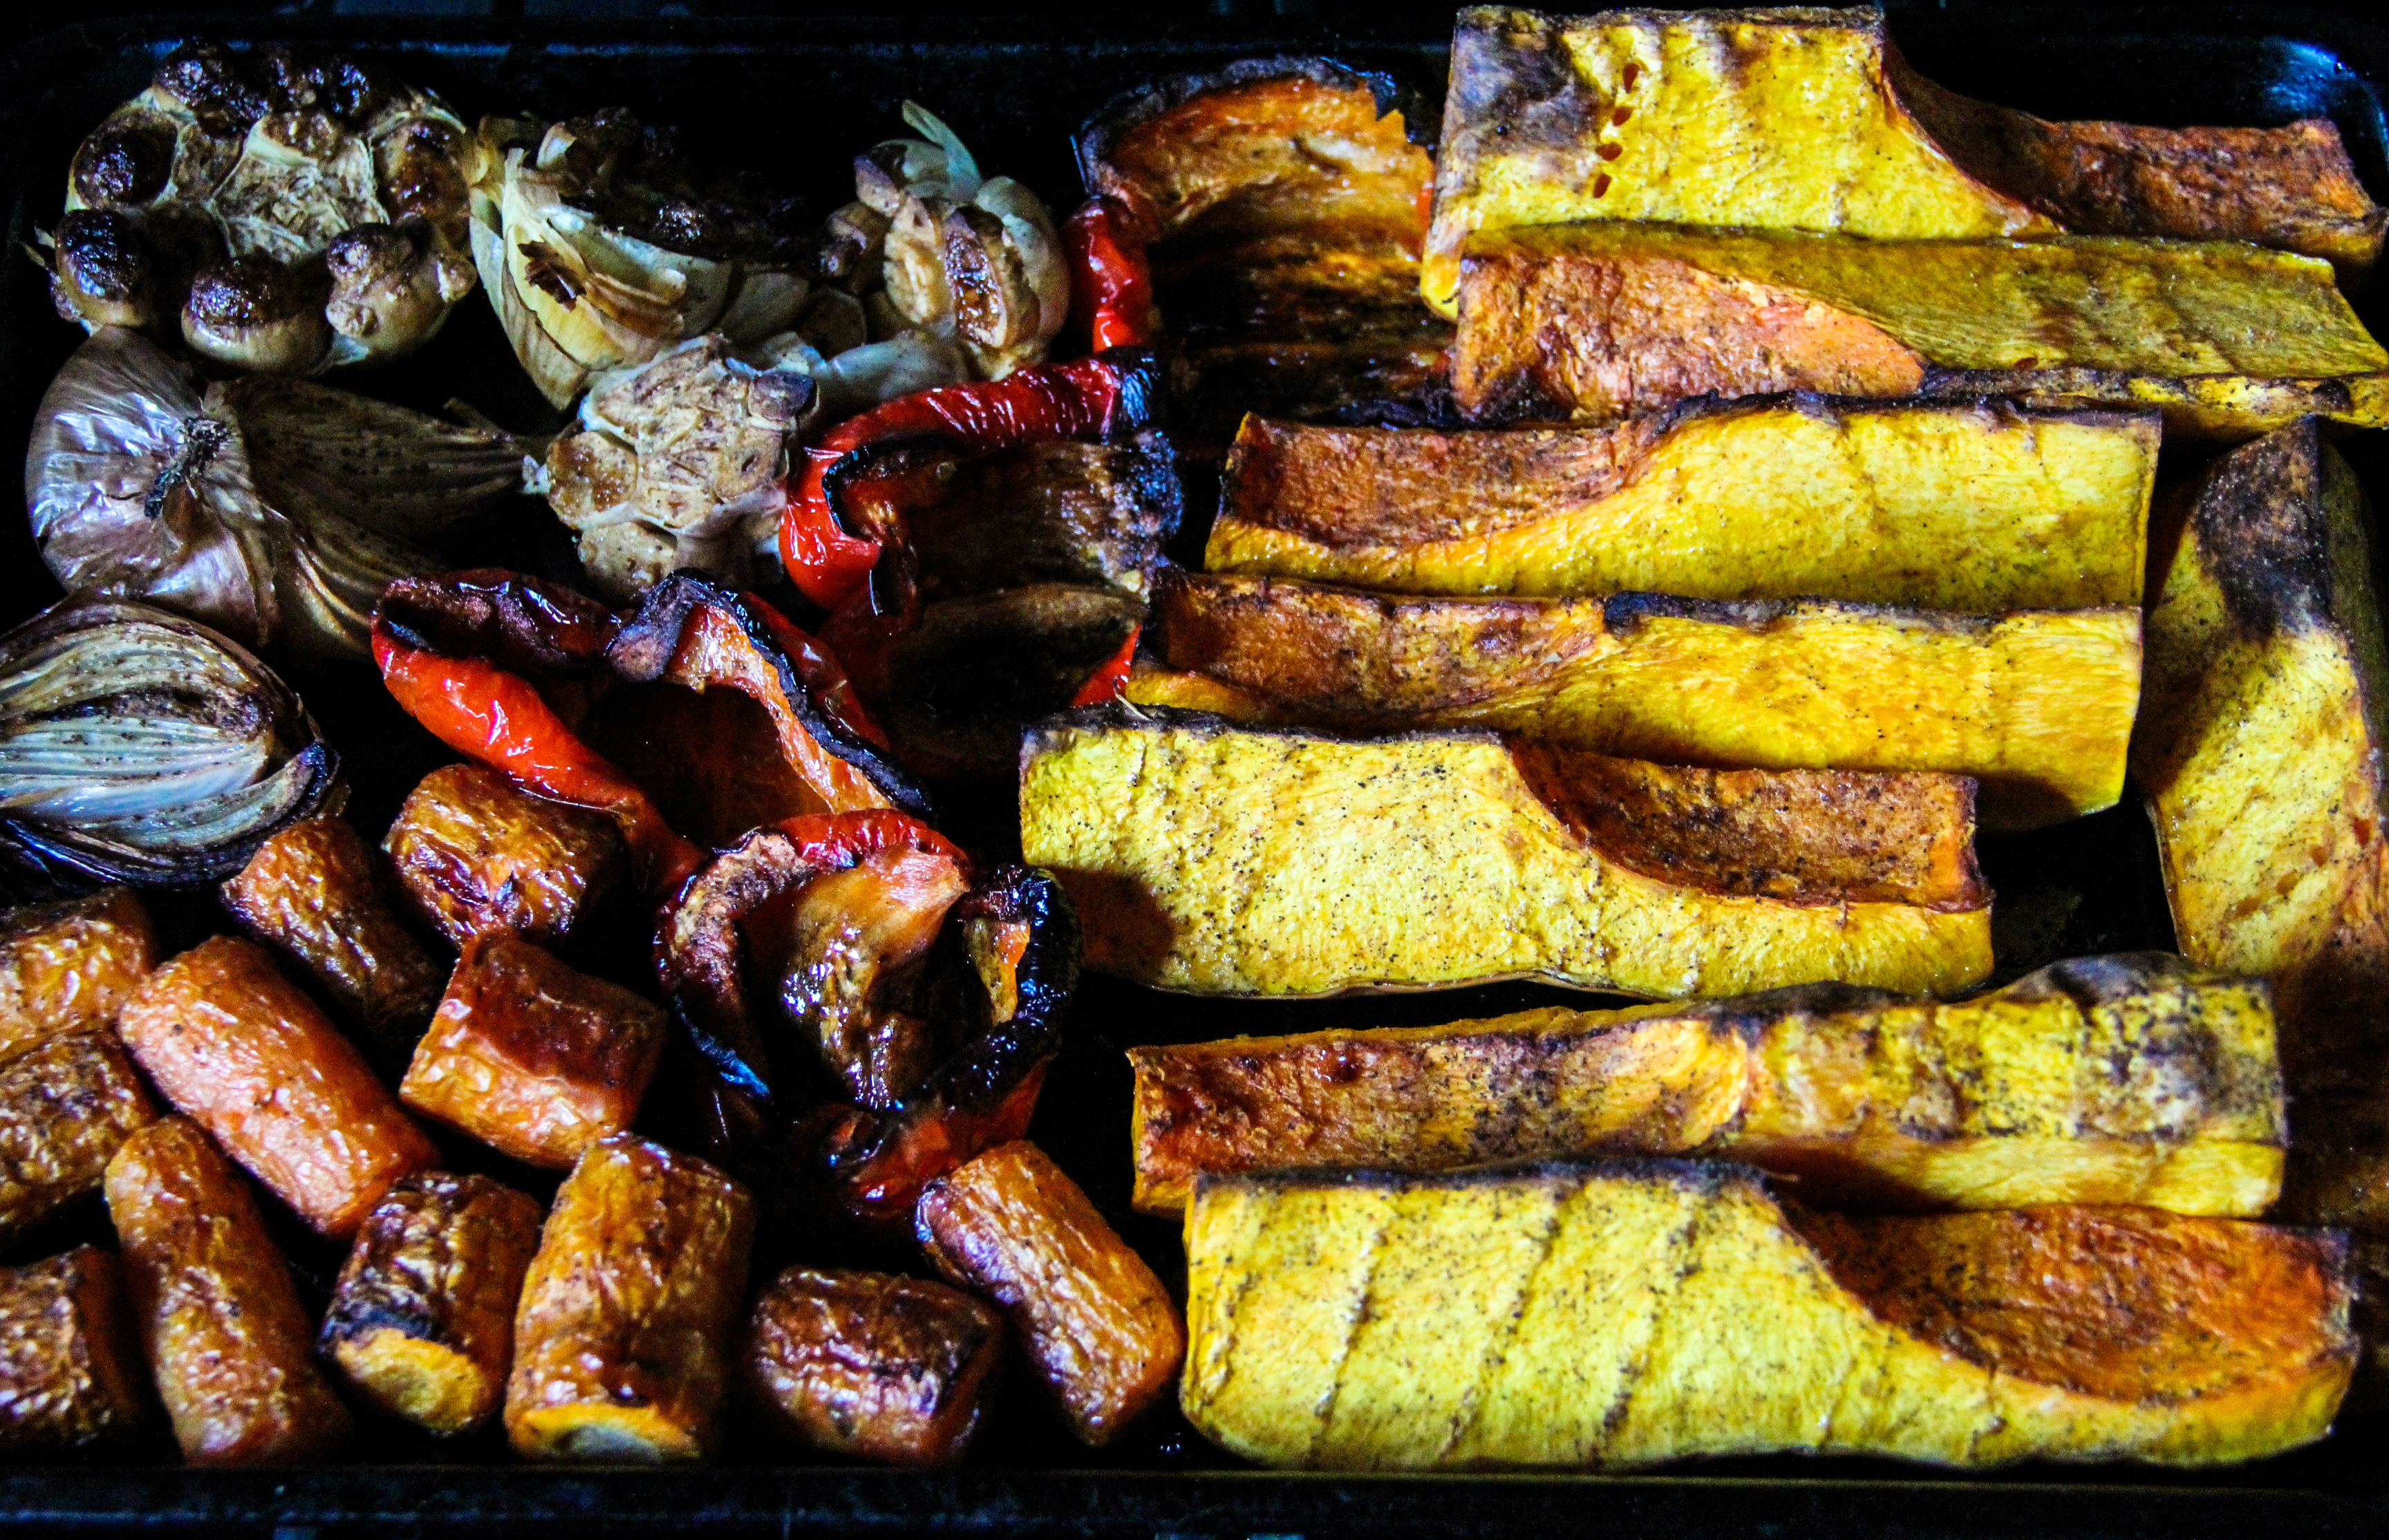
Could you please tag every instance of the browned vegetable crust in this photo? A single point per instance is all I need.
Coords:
(315, 891)
(423, 1322)
(66, 1105)
(622, 1340)
(220, 1321)
(869, 1364)
(532, 1057)
(477, 855)
(235, 1045)
(70, 965)
(1094, 1320)
(70, 1372)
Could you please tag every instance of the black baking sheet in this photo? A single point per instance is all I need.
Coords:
(797, 99)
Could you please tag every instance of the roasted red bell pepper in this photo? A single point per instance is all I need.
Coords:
(1111, 281)
(1110, 680)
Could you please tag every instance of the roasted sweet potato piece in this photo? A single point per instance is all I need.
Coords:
(623, 1338)
(532, 1057)
(1094, 1320)
(1191, 851)
(234, 1044)
(71, 1375)
(1846, 1089)
(1585, 324)
(314, 891)
(220, 1319)
(69, 966)
(1944, 505)
(66, 1105)
(869, 1364)
(477, 855)
(1617, 1314)
(423, 1322)
(2035, 704)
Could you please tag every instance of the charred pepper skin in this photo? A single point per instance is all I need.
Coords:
(1111, 279)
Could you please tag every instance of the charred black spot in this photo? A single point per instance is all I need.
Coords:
(2264, 535)
(126, 162)
(251, 291)
(102, 254)
(211, 82)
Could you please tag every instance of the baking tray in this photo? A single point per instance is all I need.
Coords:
(796, 97)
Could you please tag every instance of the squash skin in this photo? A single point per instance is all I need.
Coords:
(67, 1105)
(1943, 506)
(1848, 1090)
(475, 854)
(1586, 323)
(71, 1375)
(315, 891)
(69, 966)
(2037, 704)
(220, 1321)
(1617, 1314)
(1188, 846)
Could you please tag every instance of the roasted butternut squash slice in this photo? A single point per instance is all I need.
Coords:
(2037, 704)
(1586, 323)
(1944, 505)
(1846, 1090)
(1218, 859)
(1624, 1313)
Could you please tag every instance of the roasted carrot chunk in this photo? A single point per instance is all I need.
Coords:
(65, 1106)
(219, 1317)
(70, 1372)
(475, 854)
(235, 1045)
(1093, 1318)
(423, 1322)
(869, 1364)
(623, 1340)
(532, 1057)
(314, 891)
(69, 966)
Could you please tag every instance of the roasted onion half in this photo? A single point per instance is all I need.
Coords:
(139, 747)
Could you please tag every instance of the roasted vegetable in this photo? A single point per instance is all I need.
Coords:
(315, 891)
(1200, 855)
(67, 1105)
(422, 1324)
(602, 246)
(220, 1320)
(69, 966)
(1960, 505)
(1094, 1320)
(70, 1374)
(2037, 704)
(479, 858)
(533, 1058)
(1585, 323)
(1846, 1090)
(1808, 120)
(867, 1363)
(622, 1340)
(1280, 203)
(137, 747)
(240, 1048)
(274, 509)
(925, 1012)
(337, 195)
(1623, 1313)
(467, 658)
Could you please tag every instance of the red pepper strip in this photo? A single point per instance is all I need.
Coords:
(1109, 682)
(1111, 283)
(835, 842)
(822, 674)
(1052, 401)
(486, 713)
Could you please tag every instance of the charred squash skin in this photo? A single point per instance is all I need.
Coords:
(1097, 1324)
(220, 1321)
(870, 1364)
(422, 1322)
(240, 1048)
(1218, 859)
(67, 1105)
(623, 1341)
(71, 1375)
(2037, 704)
(479, 857)
(69, 966)
(1619, 1314)
(1849, 1092)
(533, 1058)
(313, 890)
